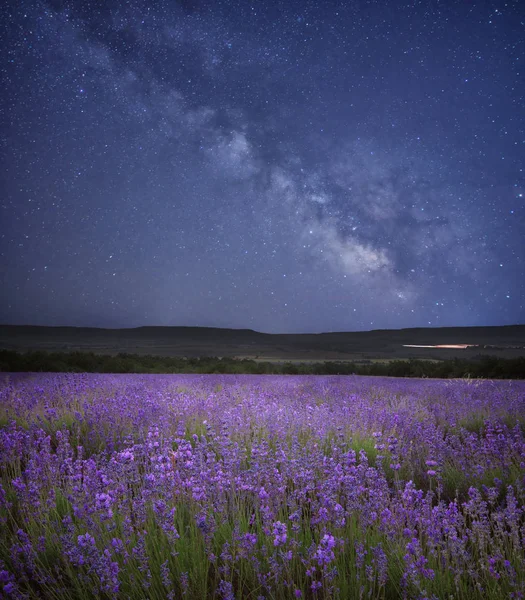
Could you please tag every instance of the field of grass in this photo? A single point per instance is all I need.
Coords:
(226, 486)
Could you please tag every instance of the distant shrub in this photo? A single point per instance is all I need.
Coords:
(486, 367)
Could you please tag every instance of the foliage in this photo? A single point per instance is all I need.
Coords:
(487, 367)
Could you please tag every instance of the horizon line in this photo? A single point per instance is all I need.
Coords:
(255, 330)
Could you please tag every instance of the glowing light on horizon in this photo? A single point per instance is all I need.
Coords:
(452, 346)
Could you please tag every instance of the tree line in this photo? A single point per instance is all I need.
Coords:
(488, 367)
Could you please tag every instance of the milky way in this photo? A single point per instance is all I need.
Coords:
(282, 166)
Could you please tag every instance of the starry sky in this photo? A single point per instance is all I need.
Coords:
(280, 165)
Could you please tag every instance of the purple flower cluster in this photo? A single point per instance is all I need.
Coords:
(325, 551)
(280, 534)
(224, 486)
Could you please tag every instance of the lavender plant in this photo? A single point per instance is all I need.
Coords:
(152, 486)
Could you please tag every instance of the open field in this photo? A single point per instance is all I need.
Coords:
(153, 486)
(502, 342)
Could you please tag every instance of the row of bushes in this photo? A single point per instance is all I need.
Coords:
(489, 367)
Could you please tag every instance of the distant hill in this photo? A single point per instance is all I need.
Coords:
(502, 341)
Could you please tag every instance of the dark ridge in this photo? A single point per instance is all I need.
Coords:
(506, 341)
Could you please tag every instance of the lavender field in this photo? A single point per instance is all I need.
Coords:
(152, 486)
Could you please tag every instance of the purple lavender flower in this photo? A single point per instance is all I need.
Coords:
(226, 590)
(325, 554)
(280, 533)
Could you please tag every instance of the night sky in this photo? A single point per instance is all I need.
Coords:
(283, 166)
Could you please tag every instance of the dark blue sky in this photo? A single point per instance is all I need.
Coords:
(284, 166)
